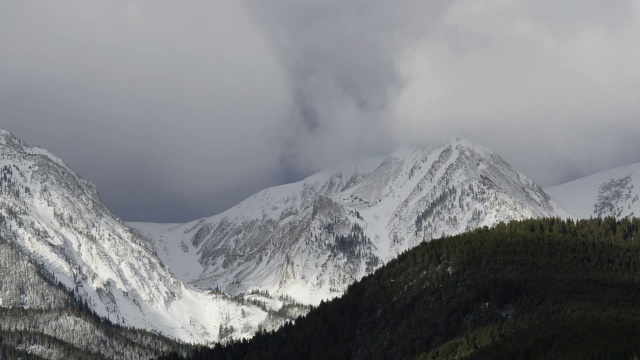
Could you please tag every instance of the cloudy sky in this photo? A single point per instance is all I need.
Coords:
(180, 109)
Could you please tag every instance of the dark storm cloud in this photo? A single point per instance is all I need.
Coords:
(340, 56)
(550, 85)
(174, 109)
(180, 109)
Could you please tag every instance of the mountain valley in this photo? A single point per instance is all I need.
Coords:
(311, 239)
(151, 289)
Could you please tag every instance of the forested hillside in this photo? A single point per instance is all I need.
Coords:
(40, 318)
(538, 289)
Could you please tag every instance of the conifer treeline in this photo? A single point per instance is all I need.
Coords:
(528, 289)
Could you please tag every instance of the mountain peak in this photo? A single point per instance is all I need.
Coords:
(8, 139)
(15, 145)
(313, 238)
(4, 133)
(462, 142)
(407, 151)
(58, 219)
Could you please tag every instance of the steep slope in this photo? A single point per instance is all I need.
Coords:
(313, 238)
(536, 289)
(40, 317)
(58, 220)
(614, 192)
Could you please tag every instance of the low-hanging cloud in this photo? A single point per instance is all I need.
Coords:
(179, 110)
(550, 85)
(170, 107)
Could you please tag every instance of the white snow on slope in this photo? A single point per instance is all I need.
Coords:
(58, 218)
(309, 240)
(611, 192)
(313, 238)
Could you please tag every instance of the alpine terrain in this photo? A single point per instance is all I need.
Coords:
(310, 240)
(252, 267)
(55, 221)
(614, 192)
(531, 289)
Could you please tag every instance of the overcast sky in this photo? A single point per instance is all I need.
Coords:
(180, 109)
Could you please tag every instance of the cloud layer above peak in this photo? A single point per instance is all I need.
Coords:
(180, 110)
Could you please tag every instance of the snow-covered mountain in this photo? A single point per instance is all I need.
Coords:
(614, 192)
(58, 220)
(313, 238)
(307, 240)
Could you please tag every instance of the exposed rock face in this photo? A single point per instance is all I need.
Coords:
(313, 238)
(615, 196)
(59, 221)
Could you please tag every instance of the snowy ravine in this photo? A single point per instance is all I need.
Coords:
(313, 238)
(613, 192)
(57, 218)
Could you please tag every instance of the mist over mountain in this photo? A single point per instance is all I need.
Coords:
(155, 289)
(58, 221)
(319, 179)
(179, 111)
(312, 239)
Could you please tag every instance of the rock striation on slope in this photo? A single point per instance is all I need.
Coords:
(57, 219)
(614, 192)
(310, 240)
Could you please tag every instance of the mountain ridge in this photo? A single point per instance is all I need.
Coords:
(295, 243)
(613, 192)
(312, 238)
(57, 218)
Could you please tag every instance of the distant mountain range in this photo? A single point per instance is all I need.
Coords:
(261, 262)
(531, 289)
(312, 239)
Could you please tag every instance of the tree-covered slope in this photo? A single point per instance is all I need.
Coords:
(529, 289)
(42, 318)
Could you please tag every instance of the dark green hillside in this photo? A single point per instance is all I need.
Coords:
(536, 289)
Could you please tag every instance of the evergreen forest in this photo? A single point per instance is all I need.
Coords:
(532, 289)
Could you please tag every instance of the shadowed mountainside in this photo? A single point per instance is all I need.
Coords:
(528, 289)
